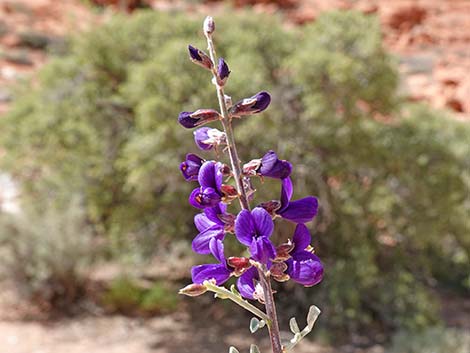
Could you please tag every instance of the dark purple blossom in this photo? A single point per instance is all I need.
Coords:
(299, 211)
(253, 229)
(197, 118)
(219, 272)
(190, 167)
(252, 105)
(206, 138)
(210, 224)
(248, 285)
(199, 57)
(269, 166)
(210, 180)
(222, 72)
(304, 267)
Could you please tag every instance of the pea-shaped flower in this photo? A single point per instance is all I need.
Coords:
(210, 224)
(253, 229)
(298, 211)
(304, 267)
(209, 193)
(191, 166)
(219, 272)
(207, 138)
(268, 166)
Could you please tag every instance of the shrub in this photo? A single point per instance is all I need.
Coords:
(432, 340)
(126, 295)
(46, 254)
(102, 122)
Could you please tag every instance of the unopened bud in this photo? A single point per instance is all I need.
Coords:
(200, 58)
(252, 105)
(193, 290)
(208, 26)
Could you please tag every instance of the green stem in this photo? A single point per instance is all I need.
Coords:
(224, 293)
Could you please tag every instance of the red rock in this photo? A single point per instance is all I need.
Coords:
(405, 18)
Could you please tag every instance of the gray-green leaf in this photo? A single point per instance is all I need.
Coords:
(254, 325)
(294, 327)
(254, 349)
(312, 316)
(233, 350)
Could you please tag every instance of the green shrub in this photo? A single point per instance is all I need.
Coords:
(127, 295)
(432, 340)
(46, 253)
(394, 191)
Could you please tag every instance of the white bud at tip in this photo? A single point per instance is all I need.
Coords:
(209, 26)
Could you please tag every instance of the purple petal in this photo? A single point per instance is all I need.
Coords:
(245, 227)
(203, 197)
(301, 211)
(207, 272)
(305, 268)
(200, 135)
(262, 101)
(210, 175)
(273, 167)
(217, 249)
(200, 243)
(263, 222)
(222, 69)
(262, 250)
(213, 213)
(184, 118)
(190, 167)
(302, 238)
(246, 283)
(202, 222)
(286, 193)
(194, 53)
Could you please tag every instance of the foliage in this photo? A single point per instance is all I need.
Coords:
(392, 180)
(126, 295)
(46, 253)
(432, 340)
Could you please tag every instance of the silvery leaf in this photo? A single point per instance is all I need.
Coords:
(254, 349)
(312, 316)
(254, 325)
(294, 327)
(233, 350)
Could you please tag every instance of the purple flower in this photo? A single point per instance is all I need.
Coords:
(199, 117)
(190, 167)
(303, 266)
(199, 57)
(268, 166)
(248, 285)
(253, 229)
(299, 211)
(222, 72)
(206, 138)
(210, 180)
(219, 272)
(210, 224)
(252, 105)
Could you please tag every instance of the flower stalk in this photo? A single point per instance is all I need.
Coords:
(227, 125)
(293, 260)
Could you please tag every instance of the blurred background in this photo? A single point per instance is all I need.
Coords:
(370, 103)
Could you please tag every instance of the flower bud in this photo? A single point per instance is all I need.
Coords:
(252, 105)
(206, 138)
(222, 72)
(240, 264)
(193, 290)
(229, 191)
(199, 57)
(271, 206)
(190, 167)
(277, 271)
(199, 117)
(208, 26)
(273, 167)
